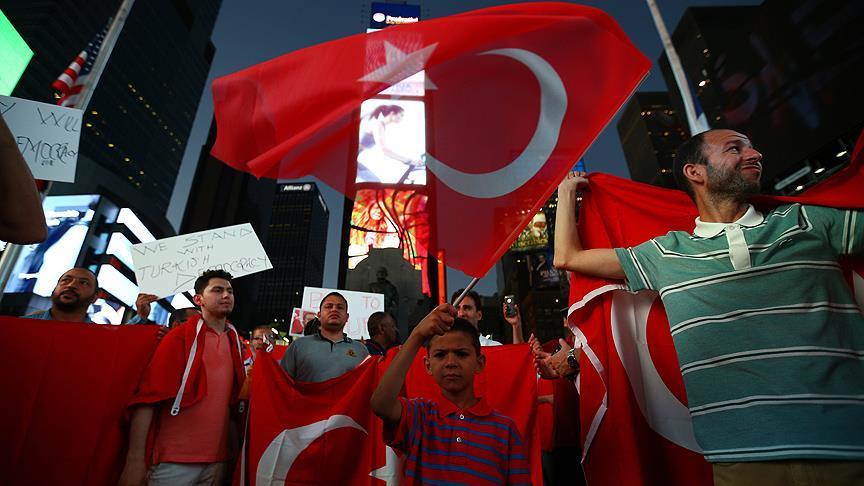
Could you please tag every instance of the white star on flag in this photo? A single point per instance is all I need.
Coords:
(399, 65)
(390, 472)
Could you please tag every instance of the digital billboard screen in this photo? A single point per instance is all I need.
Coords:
(40, 265)
(392, 142)
(387, 14)
(389, 218)
(15, 54)
(534, 236)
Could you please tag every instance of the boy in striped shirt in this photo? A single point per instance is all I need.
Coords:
(458, 439)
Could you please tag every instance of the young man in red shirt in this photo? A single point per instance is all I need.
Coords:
(458, 438)
(184, 401)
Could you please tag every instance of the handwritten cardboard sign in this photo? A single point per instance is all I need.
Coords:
(360, 306)
(47, 136)
(171, 265)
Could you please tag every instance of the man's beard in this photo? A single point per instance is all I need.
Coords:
(730, 184)
(72, 306)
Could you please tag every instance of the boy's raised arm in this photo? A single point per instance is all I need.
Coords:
(385, 400)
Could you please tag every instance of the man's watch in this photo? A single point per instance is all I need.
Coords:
(572, 361)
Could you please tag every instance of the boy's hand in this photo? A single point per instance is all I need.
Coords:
(436, 322)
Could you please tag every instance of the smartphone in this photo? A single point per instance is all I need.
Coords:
(509, 305)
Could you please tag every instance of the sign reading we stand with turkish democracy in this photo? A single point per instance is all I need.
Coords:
(171, 265)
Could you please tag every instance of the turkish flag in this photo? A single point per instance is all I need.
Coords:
(520, 92)
(313, 433)
(326, 433)
(66, 388)
(636, 427)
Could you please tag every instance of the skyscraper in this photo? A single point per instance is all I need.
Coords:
(783, 73)
(296, 244)
(650, 132)
(136, 127)
(223, 196)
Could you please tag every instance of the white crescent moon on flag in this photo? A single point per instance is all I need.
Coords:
(553, 106)
(283, 450)
(664, 413)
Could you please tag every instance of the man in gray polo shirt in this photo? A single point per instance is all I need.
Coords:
(769, 338)
(328, 353)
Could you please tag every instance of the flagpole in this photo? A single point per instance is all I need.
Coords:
(104, 53)
(696, 126)
(470, 286)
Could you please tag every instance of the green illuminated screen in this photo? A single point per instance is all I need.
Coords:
(14, 56)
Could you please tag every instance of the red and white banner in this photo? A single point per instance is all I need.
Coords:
(315, 433)
(514, 100)
(636, 427)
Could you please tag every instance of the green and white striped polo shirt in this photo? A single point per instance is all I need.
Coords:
(769, 338)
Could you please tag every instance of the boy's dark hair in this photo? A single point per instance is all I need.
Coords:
(471, 293)
(689, 152)
(373, 324)
(465, 327)
(202, 281)
(337, 294)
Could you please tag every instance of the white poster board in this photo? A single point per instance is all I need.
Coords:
(171, 265)
(47, 136)
(360, 306)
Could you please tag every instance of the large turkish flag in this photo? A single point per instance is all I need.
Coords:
(636, 428)
(520, 92)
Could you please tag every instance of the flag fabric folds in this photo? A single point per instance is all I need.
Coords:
(636, 427)
(516, 94)
(72, 80)
(66, 390)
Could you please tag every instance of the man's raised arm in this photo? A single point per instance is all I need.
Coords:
(569, 254)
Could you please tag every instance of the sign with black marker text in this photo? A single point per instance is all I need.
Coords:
(171, 265)
(47, 136)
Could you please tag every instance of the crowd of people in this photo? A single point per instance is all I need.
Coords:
(773, 369)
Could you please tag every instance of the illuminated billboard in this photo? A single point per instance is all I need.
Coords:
(392, 141)
(534, 236)
(389, 218)
(40, 265)
(14, 56)
(387, 14)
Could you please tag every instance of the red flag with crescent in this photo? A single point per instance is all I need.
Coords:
(326, 433)
(635, 424)
(515, 95)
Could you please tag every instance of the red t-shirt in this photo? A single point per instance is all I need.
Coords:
(200, 432)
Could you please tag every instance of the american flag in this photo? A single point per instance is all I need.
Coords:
(72, 80)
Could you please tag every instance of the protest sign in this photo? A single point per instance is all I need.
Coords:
(360, 306)
(47, 136)
(171, 265)
(299, 319)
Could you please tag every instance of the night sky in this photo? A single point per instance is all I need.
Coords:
(247, 33)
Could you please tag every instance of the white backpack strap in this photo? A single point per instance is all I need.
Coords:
(175, 409)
